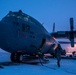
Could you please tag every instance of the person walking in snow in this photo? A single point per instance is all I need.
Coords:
(58, 54)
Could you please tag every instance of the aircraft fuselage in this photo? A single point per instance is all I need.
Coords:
(21, 32)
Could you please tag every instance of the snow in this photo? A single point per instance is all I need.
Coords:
(68, 67)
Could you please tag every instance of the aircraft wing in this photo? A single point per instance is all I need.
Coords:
(60, 34)
(66, 34)
(64, 42)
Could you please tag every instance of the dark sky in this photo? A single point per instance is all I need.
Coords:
(45, 11)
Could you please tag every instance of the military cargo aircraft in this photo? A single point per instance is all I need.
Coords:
(21, 34)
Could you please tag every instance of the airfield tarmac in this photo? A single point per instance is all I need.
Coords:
(68, 67)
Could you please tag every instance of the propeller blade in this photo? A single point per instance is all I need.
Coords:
(72, 42)
(71, 32)
(71, 24)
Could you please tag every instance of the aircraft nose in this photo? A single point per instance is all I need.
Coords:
(2, 32)
(1, 28)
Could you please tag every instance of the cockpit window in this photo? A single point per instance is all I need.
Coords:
(25, 28)
(24, 17)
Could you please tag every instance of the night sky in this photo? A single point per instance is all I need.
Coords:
(45, 11)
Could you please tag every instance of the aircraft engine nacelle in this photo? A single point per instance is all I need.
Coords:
(66, 34)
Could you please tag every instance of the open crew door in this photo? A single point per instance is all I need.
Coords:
(42, 44)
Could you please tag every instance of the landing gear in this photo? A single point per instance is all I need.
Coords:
(41, 56)
(12, 57)
(16, 57)
(58, 63)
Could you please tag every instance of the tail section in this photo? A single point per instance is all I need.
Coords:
(53, 27)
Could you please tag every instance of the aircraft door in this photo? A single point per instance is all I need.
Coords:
(42, 44)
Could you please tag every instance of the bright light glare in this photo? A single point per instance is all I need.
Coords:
(70, 49)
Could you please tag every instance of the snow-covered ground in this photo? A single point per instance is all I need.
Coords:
(68, 67)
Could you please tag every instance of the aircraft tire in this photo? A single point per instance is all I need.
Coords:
(12, 57)
(18, 57)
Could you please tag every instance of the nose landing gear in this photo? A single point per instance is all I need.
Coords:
(16, 57)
